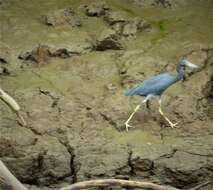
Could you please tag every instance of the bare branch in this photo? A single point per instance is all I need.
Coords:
(116, 182)
(7, 179)
(12, 104)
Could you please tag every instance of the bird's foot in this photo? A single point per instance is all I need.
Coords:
(128, 126)
(173, 125)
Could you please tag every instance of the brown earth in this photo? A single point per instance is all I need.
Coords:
(70, 83)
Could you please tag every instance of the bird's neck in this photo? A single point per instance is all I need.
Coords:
(180, 74)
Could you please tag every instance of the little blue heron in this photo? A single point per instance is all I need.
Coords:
(155, 86)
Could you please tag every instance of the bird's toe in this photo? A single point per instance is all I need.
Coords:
(128, 126)
(173, 125)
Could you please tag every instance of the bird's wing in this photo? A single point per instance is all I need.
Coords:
(152, 85)
(157, 79)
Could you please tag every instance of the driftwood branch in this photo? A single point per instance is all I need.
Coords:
(7, 179)
(116, 182)
(12, 104)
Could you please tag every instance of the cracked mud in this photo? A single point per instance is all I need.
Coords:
(70, 78)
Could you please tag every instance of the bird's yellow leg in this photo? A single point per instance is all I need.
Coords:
(166, 118)
(149, 97)
(130, 117)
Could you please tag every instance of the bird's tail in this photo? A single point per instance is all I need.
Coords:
(137, 90)
(131, 92)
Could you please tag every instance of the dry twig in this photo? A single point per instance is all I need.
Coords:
(12, 104)
(7, 180)
(116, 182)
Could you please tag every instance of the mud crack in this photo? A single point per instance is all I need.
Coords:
(130, 164)
(54, 99)
(73, 167)
(110, 121)
(168, 155)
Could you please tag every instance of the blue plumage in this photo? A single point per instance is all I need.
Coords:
(156, 85)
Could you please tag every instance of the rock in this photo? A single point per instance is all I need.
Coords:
(43, 53)
(162, 161)
(161, 3)
(40, 55)
(198, 57)
(44, 158)
(108, 39)
(41, 166)
(112, 86)
(209, 57)
(97, 8)
(208, 93)
(114, 17)
(4, 54)
(102, 165)
(183, 174)
(4, 59)
(4, 71)
(133, 26)
(124, 25)
(66, 51)
(62, 17)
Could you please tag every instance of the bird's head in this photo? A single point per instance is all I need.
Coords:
(185, 62)
(181, 67)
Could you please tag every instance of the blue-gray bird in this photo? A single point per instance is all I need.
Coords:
(155, 86)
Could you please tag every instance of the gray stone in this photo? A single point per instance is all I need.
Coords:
(43, 53)
(62, 17)
(158, 3)
(124, 25)
(108, 39)
(114, 17)
(4, 54)
(97, 8)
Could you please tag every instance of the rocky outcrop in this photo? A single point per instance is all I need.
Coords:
(108, 39)
(42, 54)
(37, 164)
(163, 3)
(4, 59)
(208, 92)
(4, 53)
(62, 17)
(158, 3)
(96, 8)
(125, 26)
(4, 71)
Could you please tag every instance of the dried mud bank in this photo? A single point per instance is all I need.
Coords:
(69, 78)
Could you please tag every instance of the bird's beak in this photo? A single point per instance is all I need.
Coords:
(189, 64)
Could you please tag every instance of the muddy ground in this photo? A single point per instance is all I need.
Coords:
(68, 64)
